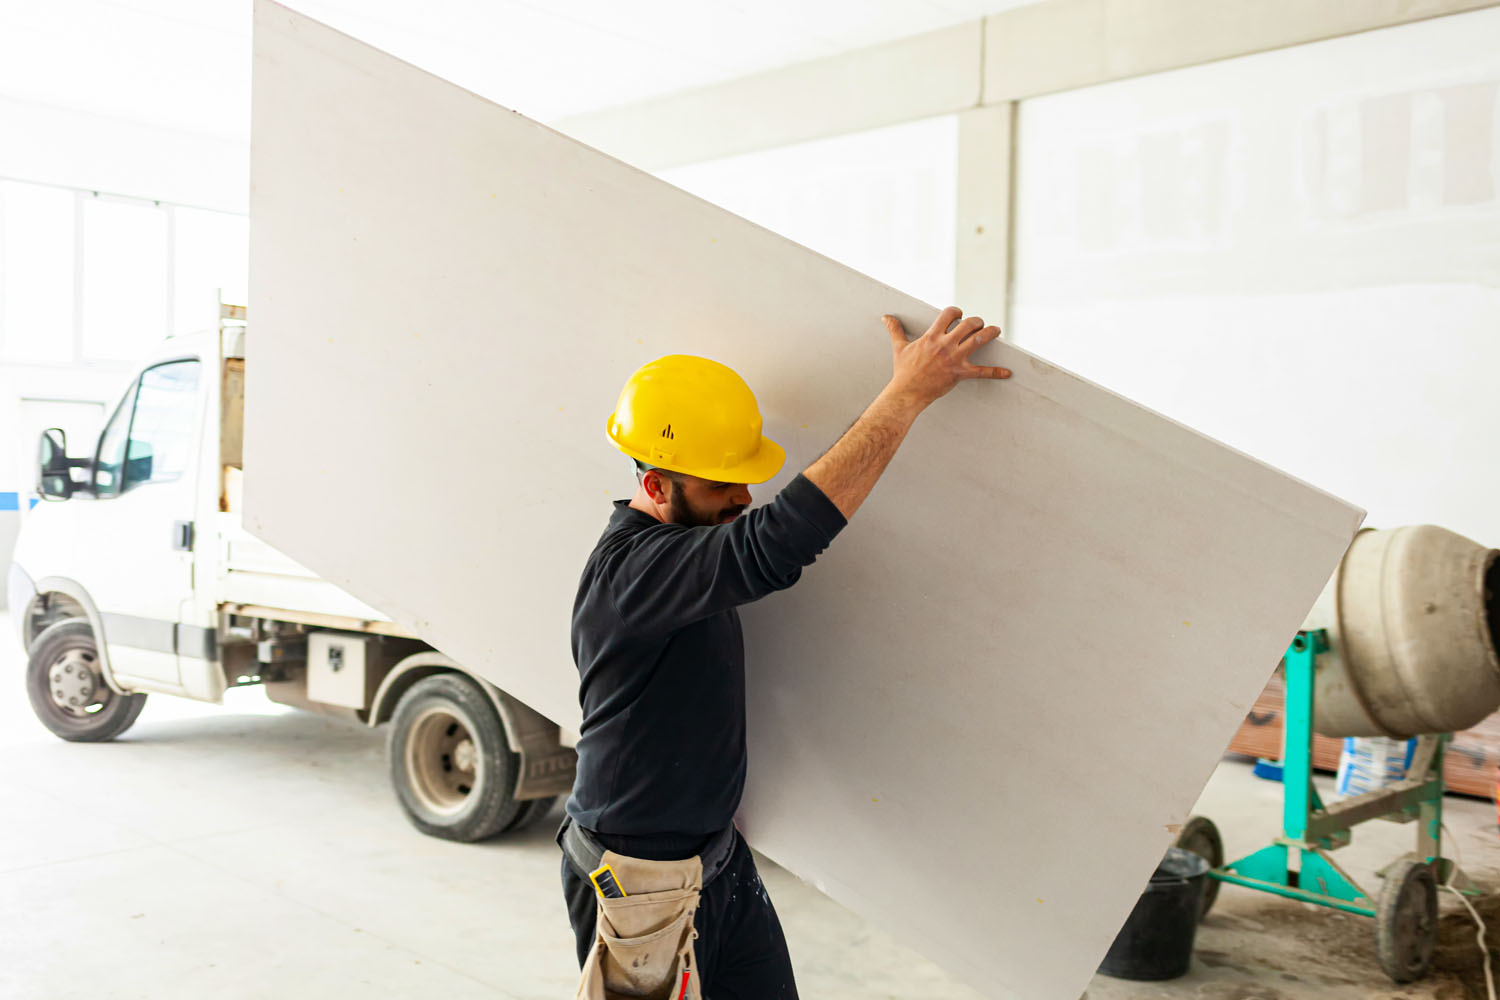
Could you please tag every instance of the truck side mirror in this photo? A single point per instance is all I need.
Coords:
(55, 472)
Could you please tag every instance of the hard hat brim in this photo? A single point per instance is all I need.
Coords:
(763, 465)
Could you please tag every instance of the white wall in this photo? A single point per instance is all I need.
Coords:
(883, 202)
(1297, 252)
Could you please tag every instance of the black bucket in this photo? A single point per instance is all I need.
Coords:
(1157, 939)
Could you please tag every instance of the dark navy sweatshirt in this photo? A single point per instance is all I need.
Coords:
(661, 662)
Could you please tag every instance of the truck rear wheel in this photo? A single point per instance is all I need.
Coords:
(452, 767)
(533, 811)
(67, 690)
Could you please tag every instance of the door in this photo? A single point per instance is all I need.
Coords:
(141, 523)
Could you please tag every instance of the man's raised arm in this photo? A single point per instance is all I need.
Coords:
(923, 371)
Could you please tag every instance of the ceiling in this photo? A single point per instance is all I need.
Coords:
(185, 64)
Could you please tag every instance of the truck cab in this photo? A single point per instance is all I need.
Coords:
(135, 576)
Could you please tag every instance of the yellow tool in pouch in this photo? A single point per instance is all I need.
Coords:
(643, 943)
(605, 883)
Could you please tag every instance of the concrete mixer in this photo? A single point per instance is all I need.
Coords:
(1412, 618)
(1401, 643)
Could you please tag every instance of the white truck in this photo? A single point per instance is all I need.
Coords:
(136, 576)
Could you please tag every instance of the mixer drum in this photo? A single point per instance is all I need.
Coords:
(1413, 617)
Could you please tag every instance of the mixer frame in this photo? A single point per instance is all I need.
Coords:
(1297, 863)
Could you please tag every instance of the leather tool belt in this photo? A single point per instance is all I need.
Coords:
(643, 938)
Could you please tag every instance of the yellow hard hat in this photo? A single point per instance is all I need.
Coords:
(695, 416)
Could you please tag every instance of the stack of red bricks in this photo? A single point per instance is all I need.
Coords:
(1469, 766)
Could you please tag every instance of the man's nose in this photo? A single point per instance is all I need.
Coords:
(742, 495)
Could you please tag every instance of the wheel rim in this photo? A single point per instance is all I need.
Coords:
(74, 684)
(442, 759)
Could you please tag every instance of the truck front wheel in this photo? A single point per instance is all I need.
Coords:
(452, 767)
(68, 692)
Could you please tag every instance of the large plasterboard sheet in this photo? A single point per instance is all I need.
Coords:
(975, 721)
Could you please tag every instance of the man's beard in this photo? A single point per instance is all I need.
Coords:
(684, 513)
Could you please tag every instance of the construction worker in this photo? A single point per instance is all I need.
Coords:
(662, 892)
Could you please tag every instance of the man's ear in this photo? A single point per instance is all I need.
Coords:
(655, 484)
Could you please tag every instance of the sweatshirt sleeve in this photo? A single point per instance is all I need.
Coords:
(670, 575)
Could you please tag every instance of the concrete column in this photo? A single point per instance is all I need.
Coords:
(982, 269)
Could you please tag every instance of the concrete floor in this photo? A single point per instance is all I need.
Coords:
(1255, 946)
(252, 851)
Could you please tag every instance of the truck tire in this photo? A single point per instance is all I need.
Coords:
(67, 691)
(532, 812)
(450, 763)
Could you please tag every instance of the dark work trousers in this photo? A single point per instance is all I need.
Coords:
(741, 951)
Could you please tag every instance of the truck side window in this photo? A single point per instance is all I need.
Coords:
(150, 437)
(165, 424)
(112, 447)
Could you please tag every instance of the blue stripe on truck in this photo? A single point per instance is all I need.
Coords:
(10, 501)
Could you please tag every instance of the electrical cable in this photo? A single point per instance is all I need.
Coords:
(1484, 949)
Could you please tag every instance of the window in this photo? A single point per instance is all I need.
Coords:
(163, 431)
(211, 252)
(882, 201)
(1190, 238)
(150, 439)
(125, 277)
(86, 277)
(36, 273)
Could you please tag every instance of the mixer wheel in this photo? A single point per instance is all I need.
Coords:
(1406, 921)
(1199, 836)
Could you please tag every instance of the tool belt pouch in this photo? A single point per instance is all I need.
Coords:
(643, 944)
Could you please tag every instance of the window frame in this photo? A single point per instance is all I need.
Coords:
(127, 400)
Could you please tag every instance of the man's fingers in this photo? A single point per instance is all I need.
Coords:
(981, 338)
(986, 371)
(945, 319)
(897, 331)
(967, 328)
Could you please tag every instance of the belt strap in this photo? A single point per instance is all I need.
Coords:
(585, 854)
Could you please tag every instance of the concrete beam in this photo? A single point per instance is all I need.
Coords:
(68, 148)
(924, 76)
(977, 70)
(1065, 44)
(1024, 52)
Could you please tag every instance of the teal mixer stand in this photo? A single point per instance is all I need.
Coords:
(1297, 863)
